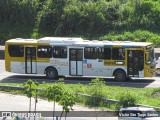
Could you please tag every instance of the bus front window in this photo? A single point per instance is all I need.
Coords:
(151, 58)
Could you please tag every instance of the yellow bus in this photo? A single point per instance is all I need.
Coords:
(62, 56)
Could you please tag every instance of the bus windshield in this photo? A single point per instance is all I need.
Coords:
(151, 56)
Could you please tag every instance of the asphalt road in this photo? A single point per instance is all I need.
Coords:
(6, 77)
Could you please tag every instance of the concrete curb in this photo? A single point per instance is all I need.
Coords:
(11, 87)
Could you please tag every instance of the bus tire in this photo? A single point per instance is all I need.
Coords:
(120, 75)
(51, 73)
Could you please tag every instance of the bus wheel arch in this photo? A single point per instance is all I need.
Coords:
(51, 72)
(119, 75)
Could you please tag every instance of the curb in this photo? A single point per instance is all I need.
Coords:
(11, 87)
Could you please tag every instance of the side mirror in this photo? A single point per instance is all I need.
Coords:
(146, 56)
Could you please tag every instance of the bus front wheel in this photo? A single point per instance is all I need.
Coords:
(120, 75)
(51, 73)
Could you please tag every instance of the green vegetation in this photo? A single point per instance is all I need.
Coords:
(95, 90)
(29, 89)
(135, 20)
(56, 93)
(126, 100)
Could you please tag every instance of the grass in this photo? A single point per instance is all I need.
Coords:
(145, 96)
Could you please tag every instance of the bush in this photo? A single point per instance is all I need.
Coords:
(126, 100)
(95, 90)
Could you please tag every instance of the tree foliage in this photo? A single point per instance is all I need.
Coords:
(88, 18)
(56, 93)
(18, 11)
(30, 89)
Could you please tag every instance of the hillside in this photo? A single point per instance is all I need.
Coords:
(135, 20)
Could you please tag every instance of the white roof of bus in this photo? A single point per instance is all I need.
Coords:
(95, 42)
(21, 40)
(77, 42)
(60, 39)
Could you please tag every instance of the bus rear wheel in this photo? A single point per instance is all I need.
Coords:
(51, 73)
(120, 75)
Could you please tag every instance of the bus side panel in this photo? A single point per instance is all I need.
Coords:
(17, 67)
(90, 68)
(96, 68)
(7, 59)
(61, 65)
(41, 66)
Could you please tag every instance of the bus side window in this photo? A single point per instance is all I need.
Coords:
(44, 51)
(118, 54)
(90, 53)
(104, 53)
(100, 53)
(59, 52)
(107, 53)
(16, 50)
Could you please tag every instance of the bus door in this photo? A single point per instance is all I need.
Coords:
(135, 63)
(30, 60)
(75, 60)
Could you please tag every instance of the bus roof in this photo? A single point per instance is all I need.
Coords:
(77, 42)
(21, 41)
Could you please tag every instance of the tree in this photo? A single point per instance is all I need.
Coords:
(54, 93)
(67, 101)
(30, 90)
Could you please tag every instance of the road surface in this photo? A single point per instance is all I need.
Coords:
(6, 77)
